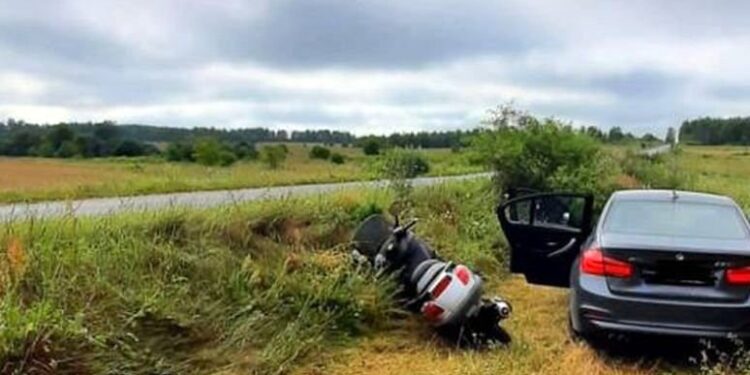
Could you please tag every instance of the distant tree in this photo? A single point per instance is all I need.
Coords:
(244, 150)
(273, 155)
(180, 151)
(320, 152)
(371, 147)
(67, 149)
(596, 133)
(21, 143)
(129, 148)
(337, 158)
(615, 135)
(670, 138)
(106, 131)
(650, 138)
(56, 136)
(209, 151)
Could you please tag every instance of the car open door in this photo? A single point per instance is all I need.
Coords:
(545, 232)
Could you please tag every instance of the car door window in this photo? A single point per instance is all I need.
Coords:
(565, 212)
(519, 213)
(559, 212)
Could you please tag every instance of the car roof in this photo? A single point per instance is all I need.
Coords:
(668, 195)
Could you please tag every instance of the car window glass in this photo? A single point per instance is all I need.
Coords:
(519, 212)
(559, 211)
(682, 219)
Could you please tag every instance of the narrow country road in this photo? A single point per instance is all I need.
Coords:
(663, 149)
(105, 206)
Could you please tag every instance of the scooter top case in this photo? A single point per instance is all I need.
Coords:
(371, 234)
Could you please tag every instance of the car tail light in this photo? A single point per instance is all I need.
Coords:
(440, 287)
(594, 262)
(738, 276)
(463, 274)
(432, 312)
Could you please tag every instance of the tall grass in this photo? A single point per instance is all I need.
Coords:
(255, 287)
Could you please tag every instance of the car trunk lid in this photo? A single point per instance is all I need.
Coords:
(678, 268)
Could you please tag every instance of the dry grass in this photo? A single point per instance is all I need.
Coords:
(541, 346)
(26, 174)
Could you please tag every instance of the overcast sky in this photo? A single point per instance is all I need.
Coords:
(373, 66)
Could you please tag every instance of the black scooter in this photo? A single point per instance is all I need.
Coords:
(447, 295)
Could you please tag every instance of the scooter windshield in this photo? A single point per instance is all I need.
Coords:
(371, 234)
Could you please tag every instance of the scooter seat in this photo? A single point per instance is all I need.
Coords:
(421, 269)
(426, 273)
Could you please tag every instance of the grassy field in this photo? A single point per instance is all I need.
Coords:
(267, 288)
(34, 179)
(723, 170)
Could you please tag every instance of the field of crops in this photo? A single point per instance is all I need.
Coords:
(34, 179)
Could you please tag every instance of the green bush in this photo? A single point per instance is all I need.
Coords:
(129, 148)
(180, 151)
(211, 152)
(273, 155)
(320, 152)
(371, 147)
(244, 150)
(337, 158)
(542, 154)
(399, 163)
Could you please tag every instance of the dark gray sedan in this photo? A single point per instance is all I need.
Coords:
(657, 261)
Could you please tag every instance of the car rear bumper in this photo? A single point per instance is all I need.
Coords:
(594, 307)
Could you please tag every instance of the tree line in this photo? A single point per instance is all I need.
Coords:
(435, 139)
(101, 139)
(616, 135)
(68, 140)
(716, 131)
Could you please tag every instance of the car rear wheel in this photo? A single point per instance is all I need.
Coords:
(579, 336)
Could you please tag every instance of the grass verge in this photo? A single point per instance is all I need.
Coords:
(258, 288)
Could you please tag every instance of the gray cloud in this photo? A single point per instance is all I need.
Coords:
(371, 66)
(376, 34)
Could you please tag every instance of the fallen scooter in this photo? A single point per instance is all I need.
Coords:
(447, 295)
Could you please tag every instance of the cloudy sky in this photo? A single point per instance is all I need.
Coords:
(372, 66)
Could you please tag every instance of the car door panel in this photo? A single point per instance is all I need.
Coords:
(545, 232)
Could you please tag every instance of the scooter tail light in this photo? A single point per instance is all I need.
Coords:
(738, 276)
(432, 312)
(440, 287)
(594, 262)
(463, 274)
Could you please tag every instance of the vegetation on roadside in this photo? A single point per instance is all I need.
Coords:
(258, 287)
(543, 154)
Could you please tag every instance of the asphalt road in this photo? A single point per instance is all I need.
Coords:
(663, 149)
(106, 206)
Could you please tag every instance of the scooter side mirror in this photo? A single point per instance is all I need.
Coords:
(400, 231)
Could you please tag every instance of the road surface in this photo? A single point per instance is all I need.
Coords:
(105, 206)
(663, 149)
